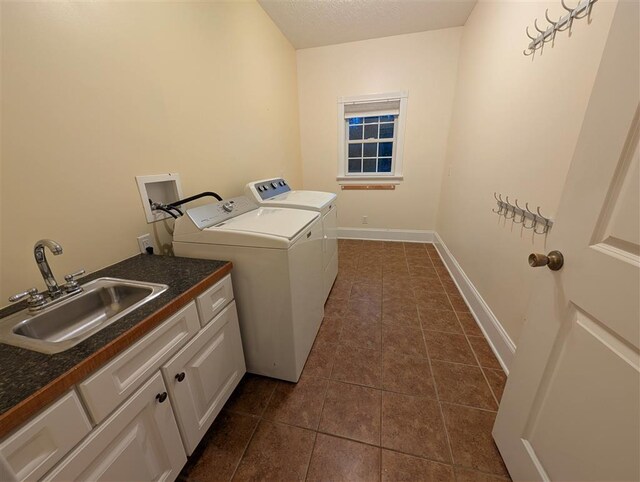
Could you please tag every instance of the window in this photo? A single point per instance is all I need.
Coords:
(370, 137)
(370, 143)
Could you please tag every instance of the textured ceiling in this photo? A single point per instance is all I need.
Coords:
(313, 23)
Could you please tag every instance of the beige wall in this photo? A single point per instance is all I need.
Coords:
(97, 93)
(514, 129)
(425, 65)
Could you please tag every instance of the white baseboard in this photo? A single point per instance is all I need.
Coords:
(408, 235)
(500, 342)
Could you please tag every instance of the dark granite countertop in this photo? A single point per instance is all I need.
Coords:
(25, 374)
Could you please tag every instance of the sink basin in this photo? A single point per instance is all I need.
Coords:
(74, 319)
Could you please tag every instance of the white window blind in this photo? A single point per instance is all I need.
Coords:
(360, 109)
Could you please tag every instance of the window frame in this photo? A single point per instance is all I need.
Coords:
(396, 174)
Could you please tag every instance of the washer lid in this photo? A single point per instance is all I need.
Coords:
(268, 221)
(314, 200)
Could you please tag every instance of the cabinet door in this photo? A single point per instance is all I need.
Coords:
(203, 374)
(139, 442)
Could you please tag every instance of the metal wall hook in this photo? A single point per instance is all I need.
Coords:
(529, 35)
(521, 213)
(564, 5)
(545, 36)
(527, 207)
(586, 14)
(544, 230)
(571, 16)
(545, 226)
(554, 25)
(499, 211)
(531, 226)
(546, 15)
(513, 210)
(534, 218)
(539, 213)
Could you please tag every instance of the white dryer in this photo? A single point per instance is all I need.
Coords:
(277, 265)
(277, 193)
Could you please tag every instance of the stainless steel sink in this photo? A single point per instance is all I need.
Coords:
(76, 318)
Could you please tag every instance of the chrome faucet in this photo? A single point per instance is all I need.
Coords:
(43, 265)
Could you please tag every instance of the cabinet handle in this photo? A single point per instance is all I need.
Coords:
(180, 376)
(161, 397)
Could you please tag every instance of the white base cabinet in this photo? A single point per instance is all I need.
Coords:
(145, 427)
(139, 442)
(201, 377)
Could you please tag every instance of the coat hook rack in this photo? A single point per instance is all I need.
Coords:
(565, 22)
(529, 219)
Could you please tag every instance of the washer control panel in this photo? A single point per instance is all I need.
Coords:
(270, 188)
(216, 213)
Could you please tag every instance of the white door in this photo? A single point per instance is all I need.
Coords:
(202, 376)
(570, 410)
(139, 442)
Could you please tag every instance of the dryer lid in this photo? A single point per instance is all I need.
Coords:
(314, 200)
(267, 221)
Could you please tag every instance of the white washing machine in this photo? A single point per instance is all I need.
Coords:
(277, 265)
(276, 192)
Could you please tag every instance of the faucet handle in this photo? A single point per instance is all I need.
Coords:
(71, 277)
(25, 294)
(71, 285)
(36, 300)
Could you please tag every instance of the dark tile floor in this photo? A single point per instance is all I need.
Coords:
(400, 385)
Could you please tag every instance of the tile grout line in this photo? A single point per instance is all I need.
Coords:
(377, 389)
(444, 423)
(475, 356)
(244, 451)
(495, 395)
(315, 439)
(260, 419)
(382, 367)
(317, 430)
(435, 387)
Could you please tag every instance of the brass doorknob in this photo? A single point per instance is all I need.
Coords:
(554, 260)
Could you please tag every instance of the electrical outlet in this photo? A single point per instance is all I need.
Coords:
(145, 241)
(365, 219)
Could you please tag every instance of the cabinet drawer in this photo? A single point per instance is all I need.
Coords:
(201, 377)
(211, 302)
(38, 445)
(112, 384)
(140, 441)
